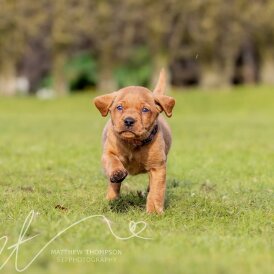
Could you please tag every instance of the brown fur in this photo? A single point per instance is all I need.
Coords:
(123, 151)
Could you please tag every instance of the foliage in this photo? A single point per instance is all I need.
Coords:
(136, 71)
(114, 31)
(81, 71)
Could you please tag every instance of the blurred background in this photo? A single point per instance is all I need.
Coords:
(58, 47)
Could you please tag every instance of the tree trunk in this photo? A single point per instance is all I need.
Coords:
(106, 81)
(226, 71)
(8, 78)
(215, 74)
(209, 75)
(267, 69)
(249, 70)
(60, 84)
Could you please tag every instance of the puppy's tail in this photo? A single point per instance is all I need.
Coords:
(161, 84)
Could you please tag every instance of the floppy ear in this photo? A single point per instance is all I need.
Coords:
(164, 103)
(104, 102)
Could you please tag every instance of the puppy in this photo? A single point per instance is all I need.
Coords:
(137, 139)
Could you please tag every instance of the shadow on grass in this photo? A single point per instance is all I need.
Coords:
(137, 199)
(131, 200)
(195, 201)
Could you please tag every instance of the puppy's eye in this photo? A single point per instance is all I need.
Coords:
(119, 107)
(145, 110)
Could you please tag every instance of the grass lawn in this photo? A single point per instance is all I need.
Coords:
(219, 206)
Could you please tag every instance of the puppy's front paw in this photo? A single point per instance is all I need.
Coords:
(111, 196)
(118, 176)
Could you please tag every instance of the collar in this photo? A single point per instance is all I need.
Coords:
(148, 140)
(150, 137)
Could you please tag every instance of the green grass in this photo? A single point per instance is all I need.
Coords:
(219, 208)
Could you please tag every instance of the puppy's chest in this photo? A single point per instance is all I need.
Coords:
(134, 162)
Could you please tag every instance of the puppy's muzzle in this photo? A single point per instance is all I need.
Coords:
(129, 122)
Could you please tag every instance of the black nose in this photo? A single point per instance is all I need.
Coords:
(129, 121)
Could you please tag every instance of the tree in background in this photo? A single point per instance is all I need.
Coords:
(227, 41)
(65, 18)
(109, 25)
(164, 28)
(218, 39)
(231, 32)
(265, 36)
(19, 20)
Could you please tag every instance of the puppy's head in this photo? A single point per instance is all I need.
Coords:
(134, 109)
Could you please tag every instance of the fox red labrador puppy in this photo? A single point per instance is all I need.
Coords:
(137, 139)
